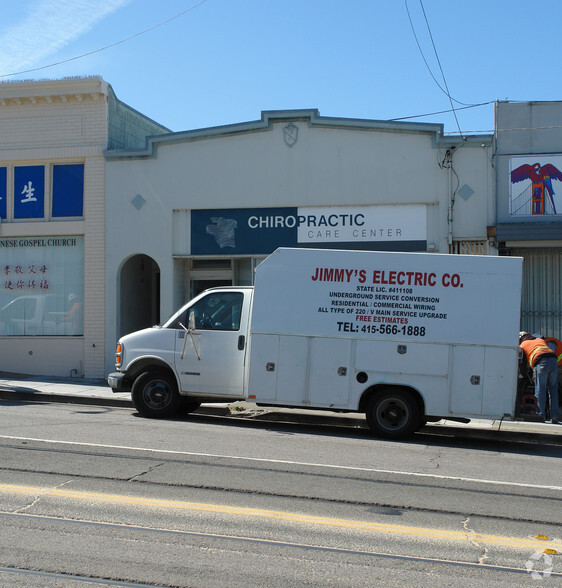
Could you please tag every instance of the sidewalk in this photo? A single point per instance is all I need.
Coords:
(19, 387)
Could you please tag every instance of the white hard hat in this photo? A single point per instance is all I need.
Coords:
(523, 335)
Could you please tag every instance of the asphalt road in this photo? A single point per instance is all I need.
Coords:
(97, 494)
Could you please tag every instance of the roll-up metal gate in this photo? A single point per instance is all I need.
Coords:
(541, 300)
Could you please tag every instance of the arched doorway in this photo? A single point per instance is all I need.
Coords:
(140, 294)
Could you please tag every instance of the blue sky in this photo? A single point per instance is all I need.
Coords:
(224, 61)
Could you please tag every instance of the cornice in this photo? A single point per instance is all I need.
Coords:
(70, 90)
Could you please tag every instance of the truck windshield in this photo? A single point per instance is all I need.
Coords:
(218, 311)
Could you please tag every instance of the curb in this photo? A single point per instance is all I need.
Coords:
(34, 396)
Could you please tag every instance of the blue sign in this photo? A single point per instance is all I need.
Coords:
(29, 191)
(3, 191)
(238, 231)
(68, 190)
(259, 231)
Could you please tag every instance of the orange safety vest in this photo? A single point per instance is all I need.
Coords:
(557, 350)
(534, 348)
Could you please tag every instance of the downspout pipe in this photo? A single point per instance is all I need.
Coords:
(450, 209)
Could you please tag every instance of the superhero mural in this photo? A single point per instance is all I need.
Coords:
(534, 193)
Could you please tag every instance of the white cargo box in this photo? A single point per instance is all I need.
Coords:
(327, 325)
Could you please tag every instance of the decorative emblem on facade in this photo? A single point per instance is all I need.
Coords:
(290, 134)
(222, 230)
(138, 201)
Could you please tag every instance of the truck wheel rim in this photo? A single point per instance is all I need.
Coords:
(157, 394)
(392, 413)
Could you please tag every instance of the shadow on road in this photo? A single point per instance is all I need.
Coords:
(442, 436)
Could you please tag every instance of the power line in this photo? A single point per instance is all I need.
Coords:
(443, 111)
(421, 50)
(107, 46)
(440, 68)
(445, 91)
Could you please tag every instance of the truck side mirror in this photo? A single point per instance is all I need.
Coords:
(191, 322)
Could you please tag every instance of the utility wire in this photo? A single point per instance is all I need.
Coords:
(440, 68)
(107, 46)
(421, 50)
(445, 91)
(441, 111)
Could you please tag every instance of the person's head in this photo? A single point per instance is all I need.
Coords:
(524, 336)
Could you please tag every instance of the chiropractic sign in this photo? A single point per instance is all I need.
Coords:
(262, 230)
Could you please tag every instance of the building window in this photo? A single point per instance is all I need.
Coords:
(3, 191)
(29, 191)
(41, 192)
(68, 190)
(42, 286)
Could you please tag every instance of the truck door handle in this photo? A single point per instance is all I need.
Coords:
(241, 342)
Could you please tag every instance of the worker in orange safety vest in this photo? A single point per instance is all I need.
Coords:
(544, 363)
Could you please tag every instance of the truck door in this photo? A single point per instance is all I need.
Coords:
(467, 380)
(211, 354)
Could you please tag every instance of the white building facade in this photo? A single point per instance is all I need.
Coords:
(202, 208)
(53, 135)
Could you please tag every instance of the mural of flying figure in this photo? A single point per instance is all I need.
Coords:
(541, 178)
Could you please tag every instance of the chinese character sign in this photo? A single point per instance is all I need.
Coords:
(28, 277)
(29, 191)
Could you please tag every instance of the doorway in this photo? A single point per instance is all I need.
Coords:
(140, 294)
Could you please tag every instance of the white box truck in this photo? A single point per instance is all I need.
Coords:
(402, 337)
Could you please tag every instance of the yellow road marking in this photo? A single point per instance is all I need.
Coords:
(519, 542)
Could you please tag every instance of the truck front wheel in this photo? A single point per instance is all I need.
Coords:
(394, 414)
(155, 395)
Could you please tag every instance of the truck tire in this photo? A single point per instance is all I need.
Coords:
(155, 395)
(394, 414)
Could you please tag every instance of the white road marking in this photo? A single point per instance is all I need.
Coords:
(287, 462)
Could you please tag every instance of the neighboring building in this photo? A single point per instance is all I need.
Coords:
(202, 208)
(52, 221)
(528, 163)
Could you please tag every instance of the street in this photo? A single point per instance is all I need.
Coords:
(99, 495)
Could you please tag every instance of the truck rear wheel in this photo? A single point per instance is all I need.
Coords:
(394, 414)
(155, 395)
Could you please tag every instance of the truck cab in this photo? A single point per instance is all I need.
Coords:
(198, 354)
